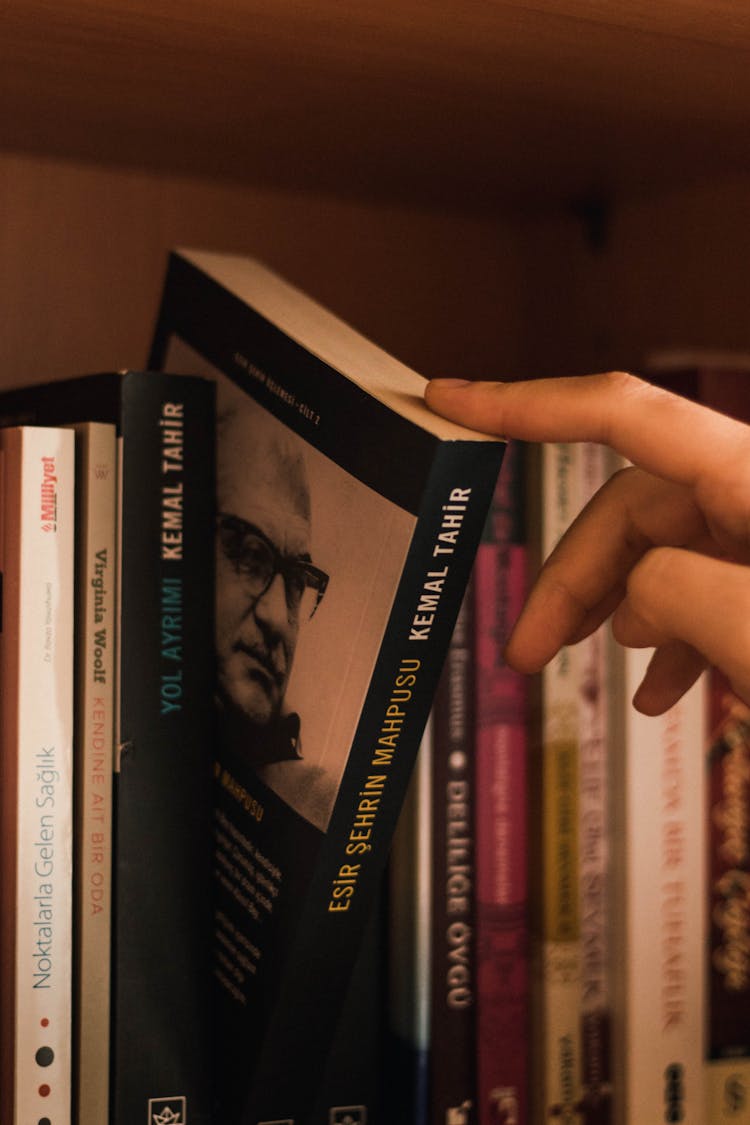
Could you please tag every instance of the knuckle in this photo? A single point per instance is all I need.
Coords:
(622, 382)
(724, 495)
(625, 393)
(649, 579)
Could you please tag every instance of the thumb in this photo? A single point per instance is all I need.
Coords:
(675, 595)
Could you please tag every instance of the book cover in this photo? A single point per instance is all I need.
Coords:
(659, 903)
(348, 521)
(555, 789)
(161, 1015)
(36, 774)
(501, 810)
(728, 1031)
(453, 987)
(93, 757)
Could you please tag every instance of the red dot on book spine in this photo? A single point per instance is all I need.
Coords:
(44, 1091)
(44, 1022)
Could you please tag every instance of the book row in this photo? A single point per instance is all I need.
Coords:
(230, 584)
(224, 616)
(576, 896)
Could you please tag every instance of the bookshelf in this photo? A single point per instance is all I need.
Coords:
(543, 186)
(514, 186)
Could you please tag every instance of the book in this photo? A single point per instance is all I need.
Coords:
(352, 1086)
(161, 1008)
(594, 839)
(501, 748)
(554, 500)
(432, 909)
(329, 464)
(718, 379)
(728, 859)
(93, 758)
(411, 1045)
(453, 958)
(36, 774)
(659, 903)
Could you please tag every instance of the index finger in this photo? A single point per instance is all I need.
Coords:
(661, 432)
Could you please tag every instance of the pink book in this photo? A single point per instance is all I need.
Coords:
(501, 812)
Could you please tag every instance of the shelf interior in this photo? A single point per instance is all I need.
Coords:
(445, 103)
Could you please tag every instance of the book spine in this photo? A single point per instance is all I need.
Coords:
(410, 940)
(95, 644)
(594, 833)
(661, 1045)
(728, 840)
(37, 782)
(501, 811)
(384, 746)
(453, 875)
(558, 1001)
(161, 1007)
(353, 1085)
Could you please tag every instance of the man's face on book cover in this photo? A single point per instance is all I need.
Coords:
(263, 547)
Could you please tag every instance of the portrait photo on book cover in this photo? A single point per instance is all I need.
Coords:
(308, 560)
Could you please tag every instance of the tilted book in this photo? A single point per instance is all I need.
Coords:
(36, 774)
(348, 520)
(162, 1036)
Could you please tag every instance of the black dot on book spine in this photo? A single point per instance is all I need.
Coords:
(44, 1121)
(45, 1056)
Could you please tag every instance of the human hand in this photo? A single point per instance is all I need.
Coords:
(663, 547)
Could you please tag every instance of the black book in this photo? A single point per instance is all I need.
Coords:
(348, 518)
(453, 955)
(162, 1033)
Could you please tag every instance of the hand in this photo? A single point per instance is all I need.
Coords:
(664, 547)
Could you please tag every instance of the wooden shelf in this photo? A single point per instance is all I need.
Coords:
(469, 104)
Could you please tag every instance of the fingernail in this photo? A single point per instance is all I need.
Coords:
(450, 384)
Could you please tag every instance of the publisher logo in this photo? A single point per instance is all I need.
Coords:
(735, 1095)
(48, 495)
(674, 1094)
(348, 1115)
(458, 1114)
(167, 1111)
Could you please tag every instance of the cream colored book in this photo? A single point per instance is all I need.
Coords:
(660, 905)
(95, 641)
(36, 762)
(556, 992)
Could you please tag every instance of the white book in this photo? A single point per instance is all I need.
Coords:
(659, 904)
(96, 637)
(36, 678)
